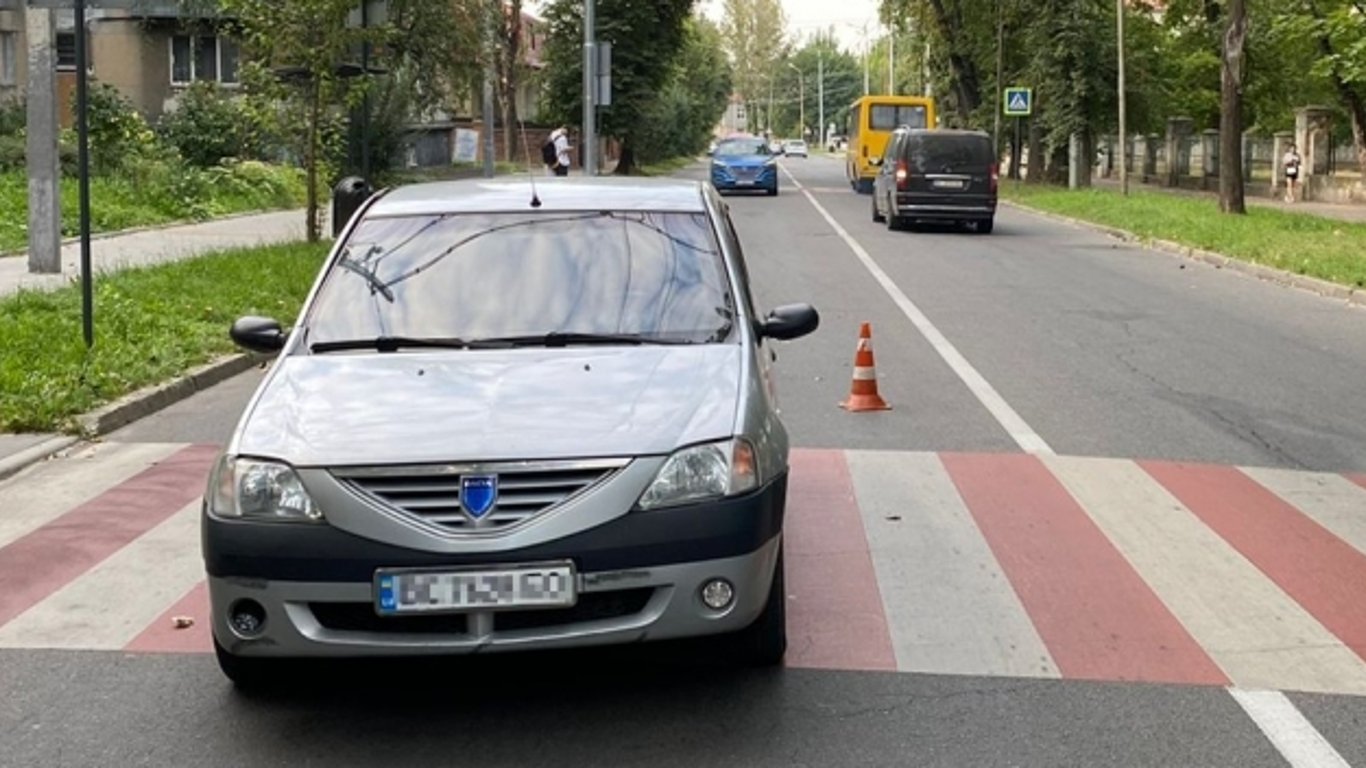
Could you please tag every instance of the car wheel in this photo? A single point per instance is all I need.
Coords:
(877, 216)
(895, 223)
(985, 226)
(773, 190)
(764, 643)
(244, 672)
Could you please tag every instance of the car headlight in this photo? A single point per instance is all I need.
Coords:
(699, 472)
(718, 165)
(771, 161)
(260, 490)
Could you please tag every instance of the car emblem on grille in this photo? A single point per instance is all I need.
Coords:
(478, 494)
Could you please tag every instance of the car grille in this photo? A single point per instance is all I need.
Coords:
(431, 493)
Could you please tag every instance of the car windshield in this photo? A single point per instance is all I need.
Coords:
(945, 151)
(741, 147)
(887, 117)
(487, 276)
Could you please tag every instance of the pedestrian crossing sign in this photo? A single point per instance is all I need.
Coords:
(1019, 102)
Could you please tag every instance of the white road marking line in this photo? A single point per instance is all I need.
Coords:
(950, 607)
(1014, 425)
(1298, 741)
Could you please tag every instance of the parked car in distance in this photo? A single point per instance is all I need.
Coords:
(509, 419)
(936, 175)
(744, 164)
(794, 148)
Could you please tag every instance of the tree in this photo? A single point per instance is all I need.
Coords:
(510, 70)
(693, 100)
(753, 35)
(1231, 112)
(646, 36)
(1336, 31)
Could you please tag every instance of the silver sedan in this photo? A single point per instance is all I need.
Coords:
(509, 417)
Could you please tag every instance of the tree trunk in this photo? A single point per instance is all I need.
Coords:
(1034, 173)
(508, 82)
(626, 161)
(314, 228)
(1231, 193)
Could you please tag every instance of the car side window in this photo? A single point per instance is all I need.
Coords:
(733, 243)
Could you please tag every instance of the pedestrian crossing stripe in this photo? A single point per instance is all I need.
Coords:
(1018, 101)
(1005, 565)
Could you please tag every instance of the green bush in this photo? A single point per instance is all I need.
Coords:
(118, 132)
(13, 117)
(209, 126)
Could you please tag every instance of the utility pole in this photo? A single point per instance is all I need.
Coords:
(1000, 76)
(489, 75)
(44, 191)
(590, 81)
(1123, 138)
(801, 101)
(891, 61)
(820, 88)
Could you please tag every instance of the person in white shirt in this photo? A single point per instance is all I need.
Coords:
(560, 138)
(1291, 162)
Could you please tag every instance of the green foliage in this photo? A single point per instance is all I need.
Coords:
(118, 132)
(646, 36)
(1300, 243)
(151, 324)
(752, 32)
(843, 84)
(209, 125)
(680, 121)
(150, 192)
(13, 117)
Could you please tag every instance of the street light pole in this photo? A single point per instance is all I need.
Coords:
(891, 61)
(1123, 144)
(801, 101)
(820, 87)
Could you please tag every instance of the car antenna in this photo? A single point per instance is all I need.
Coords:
(526, 150)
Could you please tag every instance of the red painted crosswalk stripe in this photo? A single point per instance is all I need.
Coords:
(40, 563)
(1096, 615)
(1358, 479)
(1318, 570)
(162, 636)
(835, 616)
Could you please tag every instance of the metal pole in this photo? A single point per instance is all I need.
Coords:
(1000, 76)
(83, 169)
(365, 106)
(820, 88)
(489, 76)
(865, 62)
(590, 76)
(891, 61)
(1123, 144)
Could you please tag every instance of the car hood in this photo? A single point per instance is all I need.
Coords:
(372, 408)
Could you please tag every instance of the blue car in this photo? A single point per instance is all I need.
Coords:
(744, 163)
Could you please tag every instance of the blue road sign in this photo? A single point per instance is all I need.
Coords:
(1019, 102)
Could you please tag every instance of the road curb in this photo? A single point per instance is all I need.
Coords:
(1352, 296)
(12, 464)
(149, 400)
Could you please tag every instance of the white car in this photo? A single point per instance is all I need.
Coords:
(794, 148)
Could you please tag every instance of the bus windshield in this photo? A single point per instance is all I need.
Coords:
(889, 117)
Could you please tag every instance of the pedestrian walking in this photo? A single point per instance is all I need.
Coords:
(555, 153)
(1291, 163)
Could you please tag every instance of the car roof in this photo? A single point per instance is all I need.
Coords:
(514, 193)
(943, 132)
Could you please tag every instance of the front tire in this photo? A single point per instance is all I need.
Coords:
(764, 643)
(773, 191)
(985, 226)
(246, 673)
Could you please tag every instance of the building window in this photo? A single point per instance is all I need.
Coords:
(203, 58)
(9, 41)
(66, 51)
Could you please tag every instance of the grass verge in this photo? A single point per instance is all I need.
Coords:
(667, 166)
(151, 325)
(151, 195)
(1300, 243)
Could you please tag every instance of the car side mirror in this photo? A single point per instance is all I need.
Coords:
(790, 322)
(258, 334)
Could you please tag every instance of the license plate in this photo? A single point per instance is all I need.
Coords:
(745, 182)
(547, 585)
(949, 184)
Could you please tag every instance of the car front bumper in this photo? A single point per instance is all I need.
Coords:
(728, 179)
(639, 579)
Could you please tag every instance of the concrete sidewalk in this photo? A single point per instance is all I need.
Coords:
(1350, 212)
(153, 246)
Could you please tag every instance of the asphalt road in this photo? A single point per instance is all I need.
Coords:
(1097, 348)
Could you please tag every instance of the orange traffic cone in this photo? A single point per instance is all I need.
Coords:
(863, 394)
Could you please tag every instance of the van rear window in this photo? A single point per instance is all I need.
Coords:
(955, 152)
(889, 117)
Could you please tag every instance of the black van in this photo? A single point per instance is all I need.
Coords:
(936, 175)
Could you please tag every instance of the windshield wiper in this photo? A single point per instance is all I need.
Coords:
(564, 339)
(376, 285)
(389, 344)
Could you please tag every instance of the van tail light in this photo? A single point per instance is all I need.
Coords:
(995, 176)
(903, 174)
